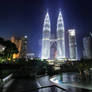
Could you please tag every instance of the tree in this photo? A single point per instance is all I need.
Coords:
(10, 50)
(1, 41)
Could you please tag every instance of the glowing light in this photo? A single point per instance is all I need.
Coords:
(25, 36)
(15, 56)
(3, 48)
(54, 80)
(46, 39)
(90, 34)
(72, 32)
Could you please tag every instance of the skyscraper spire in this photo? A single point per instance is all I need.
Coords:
(46, 37)
(46, 22)
(60, 37)
(60, 21)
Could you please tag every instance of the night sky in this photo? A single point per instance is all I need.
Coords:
(25, 17)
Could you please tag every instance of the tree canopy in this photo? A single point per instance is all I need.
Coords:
(10, 48)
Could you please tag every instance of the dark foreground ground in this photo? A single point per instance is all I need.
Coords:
(27, 84)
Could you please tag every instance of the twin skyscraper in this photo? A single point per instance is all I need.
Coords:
(46, 39)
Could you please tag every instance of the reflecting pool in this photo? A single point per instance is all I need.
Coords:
(71, 82)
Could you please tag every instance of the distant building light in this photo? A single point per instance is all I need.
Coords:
(30, 55)
(25, 36)
(72, 32)
(3, 48)
(90, 34)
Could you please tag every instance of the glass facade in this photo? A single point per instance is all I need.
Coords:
(72, 44)
(46, 38)
(60, 37)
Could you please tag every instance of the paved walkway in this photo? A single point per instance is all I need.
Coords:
(26, 84)
(19, 85)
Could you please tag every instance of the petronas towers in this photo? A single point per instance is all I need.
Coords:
(60, 37)
(46, 38)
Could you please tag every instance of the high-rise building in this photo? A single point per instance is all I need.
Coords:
(21, 44)
(53, 45)
(90, 34)
(46, 38)
(54, 48)
(66, 44)
(23, 51)
(87, 45)
(72, 44)
(60, 37)
(30, 55)
(18, 42)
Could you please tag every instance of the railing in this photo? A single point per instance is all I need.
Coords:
(52, 88)
(6, 79)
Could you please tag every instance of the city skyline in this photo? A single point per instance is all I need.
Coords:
(46, 45)
(55, 47)
(20, 18)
